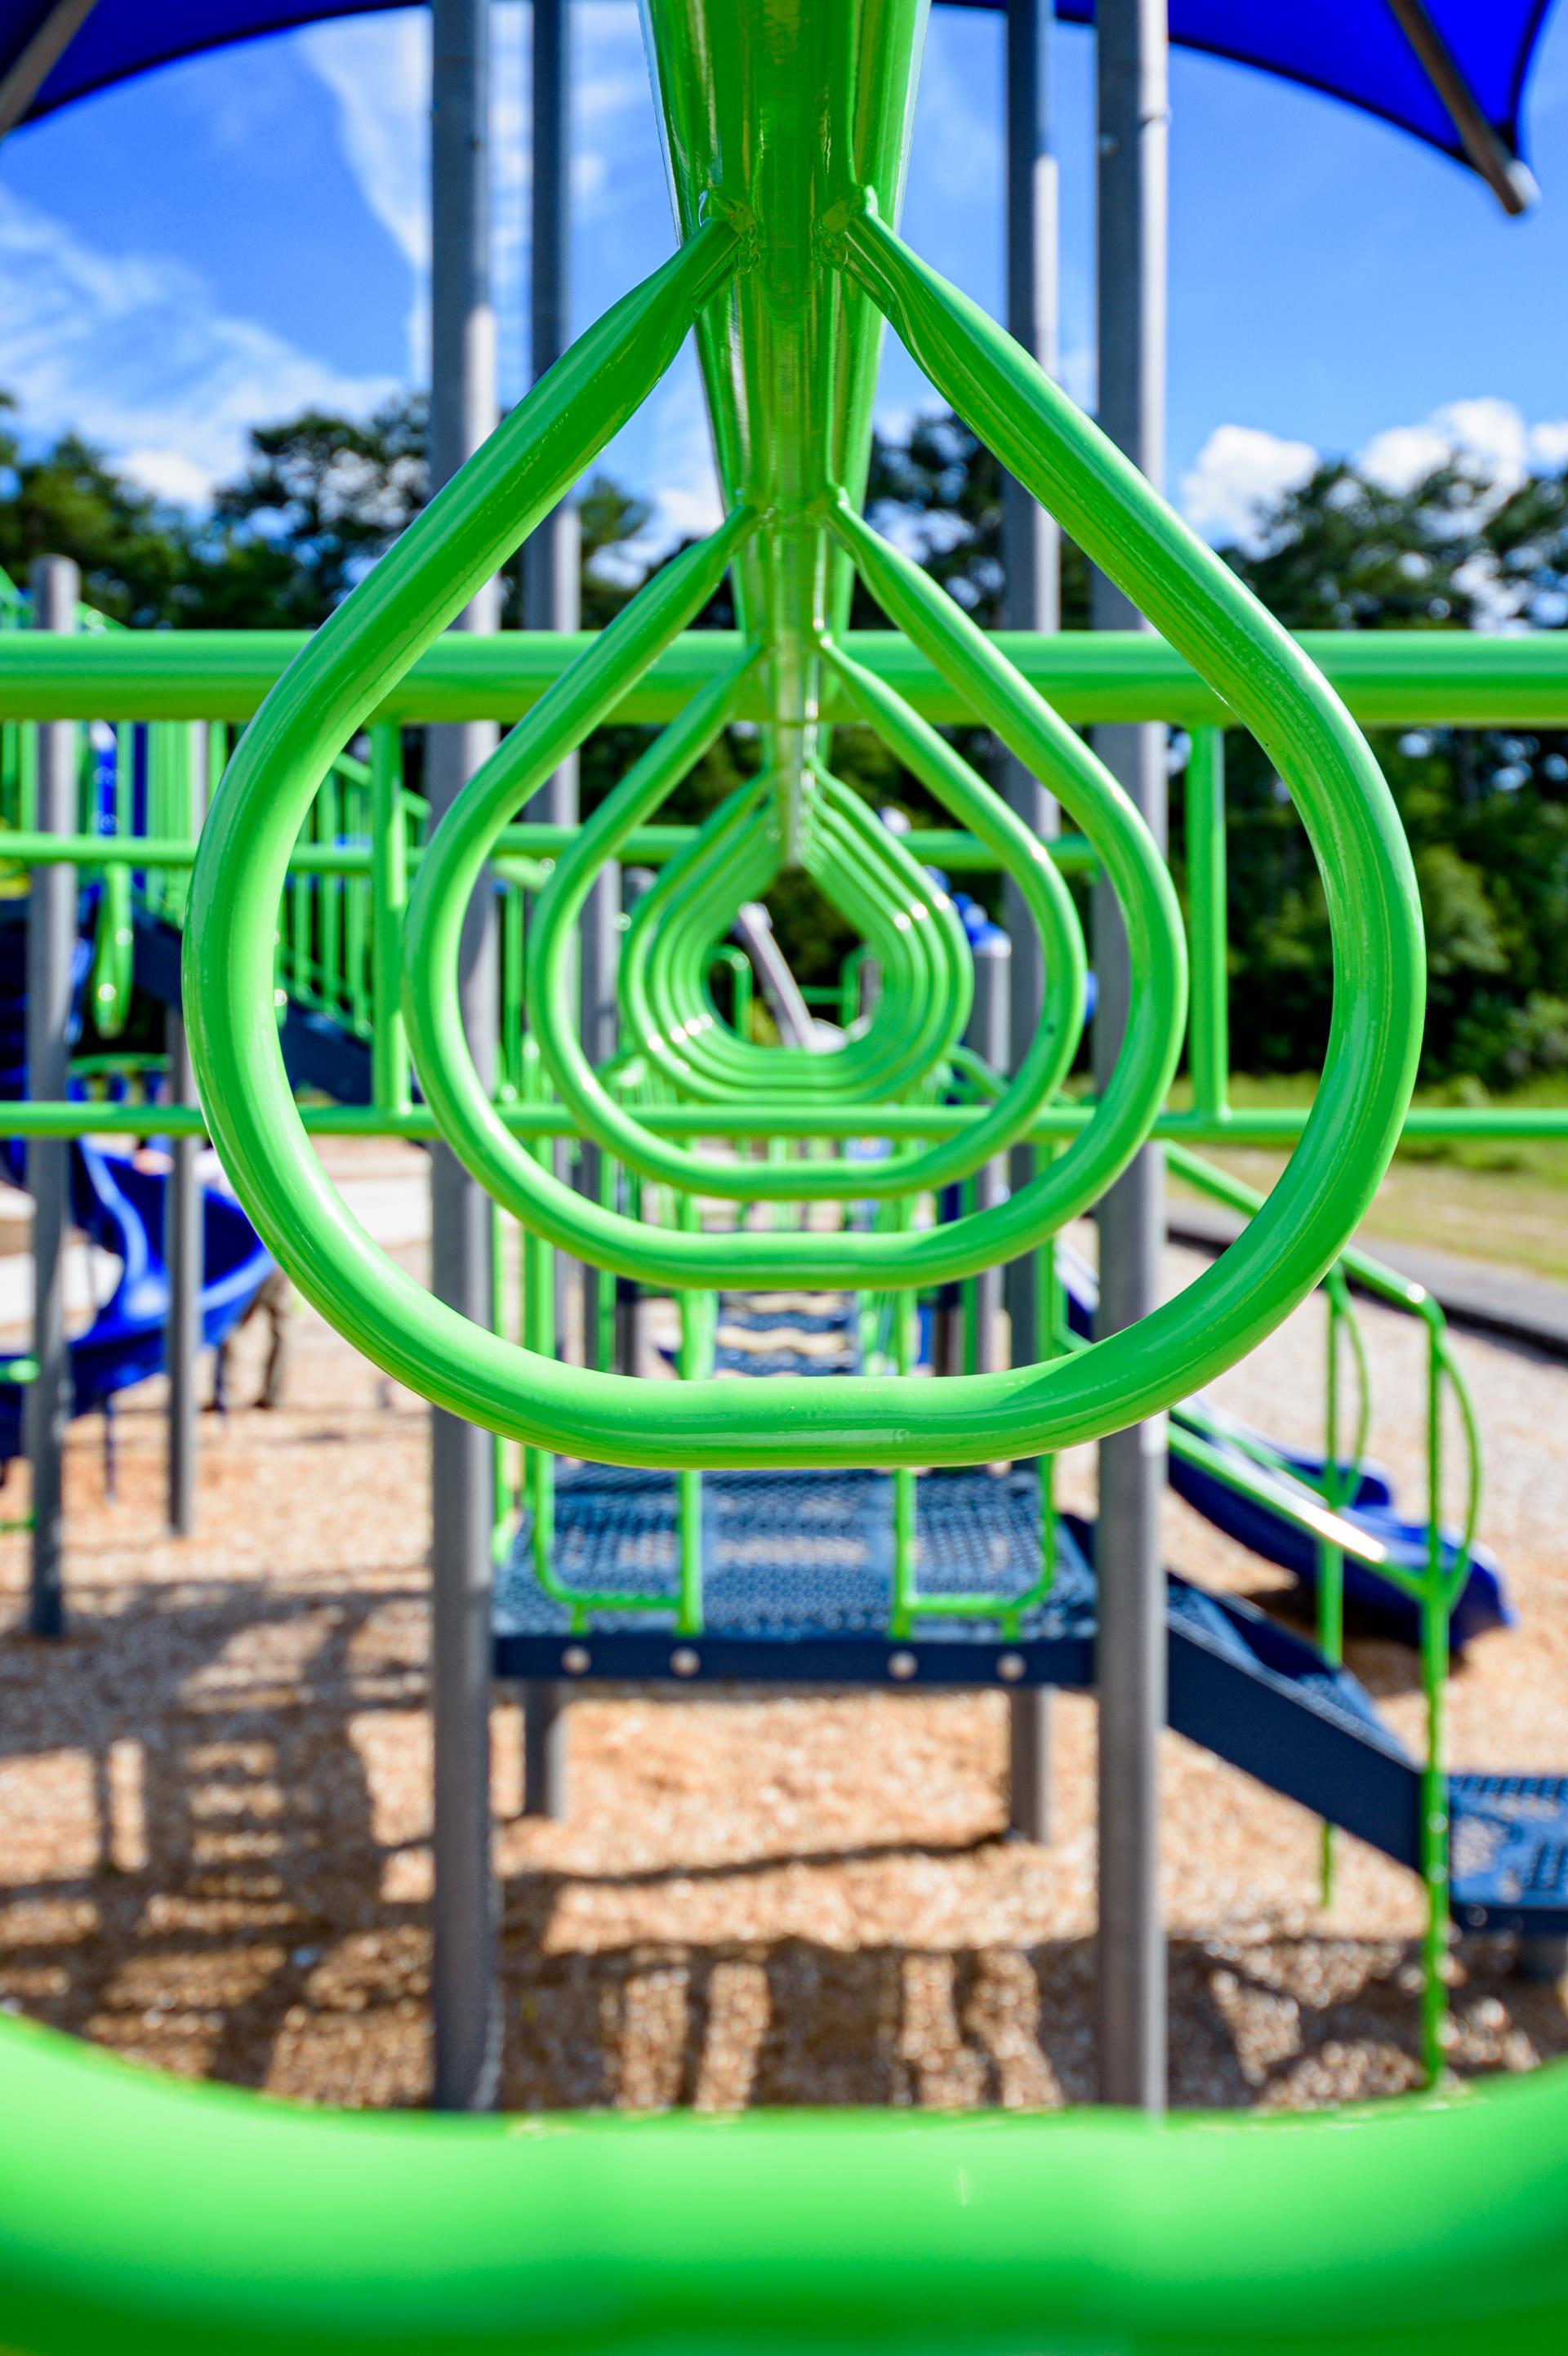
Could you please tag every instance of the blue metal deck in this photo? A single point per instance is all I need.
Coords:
(798, 1588)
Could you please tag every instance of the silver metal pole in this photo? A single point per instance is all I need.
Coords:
(183, 1256)
(1031, 544)
(462, 414)
(551, 600)
(1031, 552)
(1133, 124)
(552, 553)
(51, 941)
(544, 1708)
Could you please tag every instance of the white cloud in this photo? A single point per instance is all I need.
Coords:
(612, 102)
(1549, 445)
(957, 144)
(168, 474)
(131, 352)
(1491, 433)
(1239, 472)
(1242, 469)
(378, 71)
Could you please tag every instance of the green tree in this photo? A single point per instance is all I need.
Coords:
(1486, 812)
(67, 501)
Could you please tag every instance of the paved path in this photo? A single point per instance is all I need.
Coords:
(1508, 1302)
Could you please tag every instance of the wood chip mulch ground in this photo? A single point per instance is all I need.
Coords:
(214, 1809)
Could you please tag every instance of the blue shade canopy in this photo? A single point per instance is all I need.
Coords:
(1361, 51)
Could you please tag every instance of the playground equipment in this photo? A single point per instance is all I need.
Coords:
(1434, 2225)
(122, 1208)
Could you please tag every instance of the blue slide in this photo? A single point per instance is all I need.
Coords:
(120, 1209)
(1483, 1602)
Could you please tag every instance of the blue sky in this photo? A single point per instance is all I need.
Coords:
(222, 241)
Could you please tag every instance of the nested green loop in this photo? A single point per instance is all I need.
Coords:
(896, 1259)
(927, 979)
(735, 856)
(855, 844)
(1369, 886)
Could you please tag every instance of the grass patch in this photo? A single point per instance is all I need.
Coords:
(1483, 1199)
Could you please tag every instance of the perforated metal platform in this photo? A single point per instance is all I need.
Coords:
(797, 1580)
(1510, 1853)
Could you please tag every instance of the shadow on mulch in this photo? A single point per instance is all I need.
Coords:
(257, 1907)
(254, 1814)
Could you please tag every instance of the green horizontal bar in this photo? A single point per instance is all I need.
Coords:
(31, 850)
(1389, 678)
(934, 846)
(899, 1122)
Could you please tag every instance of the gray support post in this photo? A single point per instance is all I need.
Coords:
(183, 1257)
(1030, 542)
(51, 940)
(1028, 1711)
(1031, 560)
(462, 413)
(551, 602)
(1131, 1658)
(552, 553)
(544, 1708)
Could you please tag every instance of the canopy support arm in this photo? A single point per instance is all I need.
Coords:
(56, 31)
(1511, 181)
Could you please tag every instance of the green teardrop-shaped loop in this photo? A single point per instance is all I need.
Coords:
(709, 1066)
(875, 891)
(697, 897)
(1049, 1055)
(724, 1068)
(1275, 691)
(875, 882)
(687, 923)
(477, 1134)
(1125, 1378)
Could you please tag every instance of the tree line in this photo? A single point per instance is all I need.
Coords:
(1486, 811)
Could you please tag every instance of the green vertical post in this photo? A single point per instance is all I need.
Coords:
(698, 1315)
(329, 905)
(1434, 1773)
(1208, 1013)
(1330, 1559)
(905, 1352)
(389, 888)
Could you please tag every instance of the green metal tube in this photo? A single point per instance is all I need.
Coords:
(389, 886)
(1414, 2228)
(1387, 679)
(1208, 1013)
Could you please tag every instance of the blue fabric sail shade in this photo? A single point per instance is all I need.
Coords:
(1359, 51)
(1356, 50)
